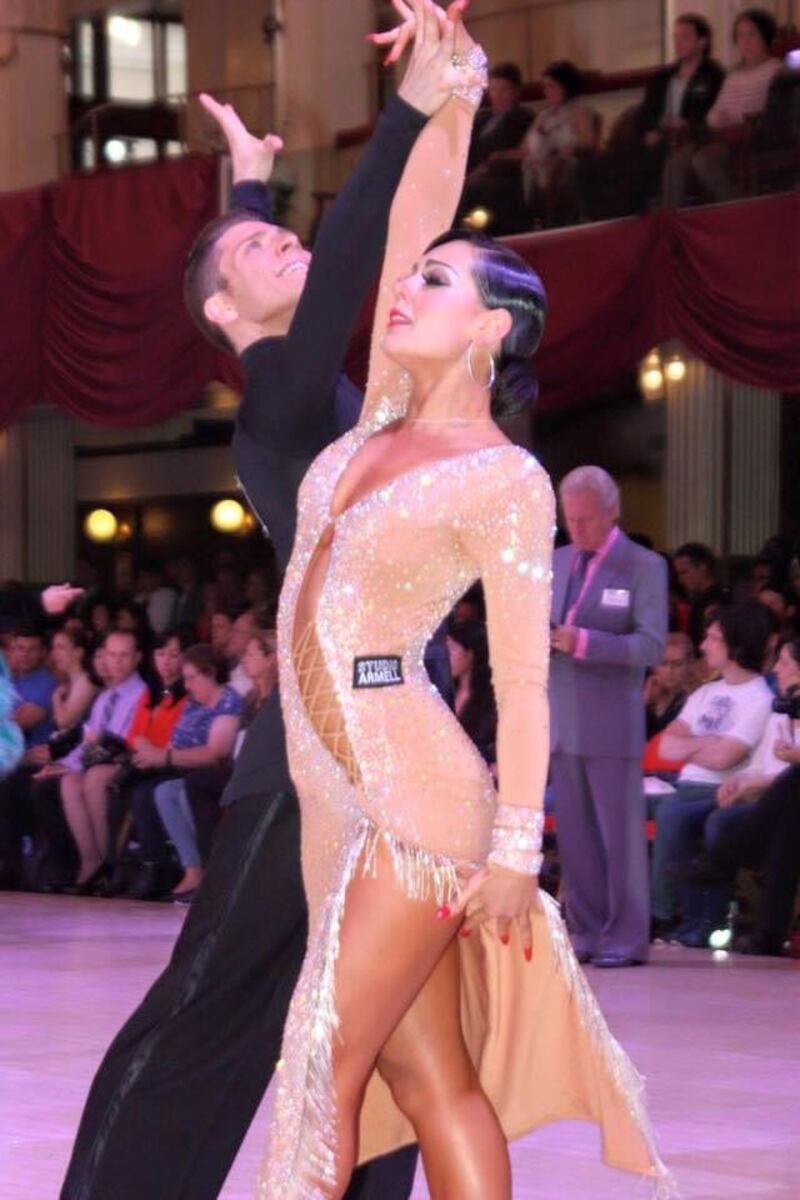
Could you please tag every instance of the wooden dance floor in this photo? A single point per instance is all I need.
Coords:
(718, 1039)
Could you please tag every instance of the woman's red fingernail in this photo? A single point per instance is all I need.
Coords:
(528, 954)
(504, 938)
(443, 913)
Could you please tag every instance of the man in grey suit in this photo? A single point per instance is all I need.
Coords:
(609, 622)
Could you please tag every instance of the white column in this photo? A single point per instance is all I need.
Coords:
(50, 495)
(695, 441)
(754, 466)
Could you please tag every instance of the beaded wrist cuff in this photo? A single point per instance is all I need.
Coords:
(474, 65)
(517, 839)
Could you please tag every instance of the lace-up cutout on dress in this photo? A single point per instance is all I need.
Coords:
(319, 697)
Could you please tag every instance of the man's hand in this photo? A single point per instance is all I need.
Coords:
(437, 38)
(147, 756)
(564, 638)
(729, 793)
(57, 598)
(251, 157)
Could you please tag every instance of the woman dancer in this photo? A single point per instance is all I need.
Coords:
(475, 1038)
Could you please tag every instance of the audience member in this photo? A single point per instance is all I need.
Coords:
(764, 801)
(743, 95)
(203, 738)
(493, 181)
(475, 706)
(673, 115)
(669, 684)
(189, 601)
(715, 735)
(160, 708)
(260, 661)
(564, 127)
(696, 568)
(242, 629)
(158, 600)
(609, 622)
(88, 770)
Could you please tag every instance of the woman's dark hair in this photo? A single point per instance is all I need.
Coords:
(701, 27)
(78, 637)
(479, 715)
(508, 71)
(504, 280)
(207, 662)
(764, 22)
(567, 76)
(177, 689)
(746, 629)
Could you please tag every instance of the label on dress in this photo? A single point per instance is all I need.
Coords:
(383, 671)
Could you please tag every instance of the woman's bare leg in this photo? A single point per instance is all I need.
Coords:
(389, 947)
(95, 792)
(80, 824)
(433, 1081)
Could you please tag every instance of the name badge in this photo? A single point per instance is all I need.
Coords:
(616, 598)
(385, 671)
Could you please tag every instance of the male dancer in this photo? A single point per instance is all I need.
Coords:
(180, 1084)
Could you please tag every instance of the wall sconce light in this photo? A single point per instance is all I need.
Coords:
(651, 376)
(100, 525)
(228, 516)
(478, 218)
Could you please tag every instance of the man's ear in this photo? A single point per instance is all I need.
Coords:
(219, 309)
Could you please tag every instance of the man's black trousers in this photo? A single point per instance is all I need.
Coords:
(181, 1082)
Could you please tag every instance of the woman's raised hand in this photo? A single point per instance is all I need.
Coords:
(251, 157)
(444, 58)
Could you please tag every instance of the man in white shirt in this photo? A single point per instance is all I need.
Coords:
(715, 735)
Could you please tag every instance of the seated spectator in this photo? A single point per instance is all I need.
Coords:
(673, 114)
(160, 708)
(158, 600)
(669, 685)
(99, 617)
(778, 604)
(715, 735)
(189, 600)
(743, 95)
(33, 684)
(242, 629)
(474, 699)
(764, 800)
(260, 661)
(696, 568)
(204, 738)
(131, 617)
(12, 743)
(493, 180)
(563, 128)
(89, 769)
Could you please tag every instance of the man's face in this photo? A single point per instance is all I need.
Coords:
(685, 41)
(221, 627)
(28, 654)
(264, 268)
(673, 671)
(714, 648)
(588, 521)
(121, 658)
(242, 629)
(503, 95)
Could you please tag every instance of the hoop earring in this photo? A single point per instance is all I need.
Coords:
(487, 387)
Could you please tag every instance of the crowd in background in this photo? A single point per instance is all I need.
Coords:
(132, 709)
(699, 135)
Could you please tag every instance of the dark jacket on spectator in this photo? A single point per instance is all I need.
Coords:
(493, 132)
(701, 92)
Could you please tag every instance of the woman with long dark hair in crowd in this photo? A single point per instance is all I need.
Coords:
(468, 649)
(405, 842)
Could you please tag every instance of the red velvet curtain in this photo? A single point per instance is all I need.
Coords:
(22, 259)
(93, 320)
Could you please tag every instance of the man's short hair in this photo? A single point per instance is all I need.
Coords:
(746, 628)
(698, 555)
(27, 629)
(701, 28)
(129, 633)
(202, 276)
(592, 479)
(509, 71)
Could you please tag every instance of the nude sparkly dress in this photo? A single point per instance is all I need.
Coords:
(378, 758)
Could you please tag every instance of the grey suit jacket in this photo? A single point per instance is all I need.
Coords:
(596, 703)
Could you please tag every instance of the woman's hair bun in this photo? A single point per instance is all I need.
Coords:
(516, 387)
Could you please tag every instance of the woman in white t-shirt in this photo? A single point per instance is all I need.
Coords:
(743, 95)
(766, 835)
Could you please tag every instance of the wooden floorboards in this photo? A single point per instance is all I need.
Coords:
(717, 1038)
